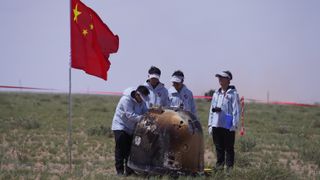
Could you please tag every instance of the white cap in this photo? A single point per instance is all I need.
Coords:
(177, 79)
(157, 76)
(223, 74)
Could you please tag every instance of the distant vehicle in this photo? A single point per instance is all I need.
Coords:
(167, 141)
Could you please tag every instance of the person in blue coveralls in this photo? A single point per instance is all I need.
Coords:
(129, 111)
(179, 95)
(223, 120)
(158, 96)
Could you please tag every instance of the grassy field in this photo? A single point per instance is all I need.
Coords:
(281, 142)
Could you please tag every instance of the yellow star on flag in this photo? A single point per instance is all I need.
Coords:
(91, 26)
(84, 32)
(76, 13)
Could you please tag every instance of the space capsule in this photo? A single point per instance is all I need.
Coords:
(167, 141)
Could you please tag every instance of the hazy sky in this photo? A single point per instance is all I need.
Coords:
(268, 45)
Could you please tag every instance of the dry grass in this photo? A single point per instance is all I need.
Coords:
(281, 142)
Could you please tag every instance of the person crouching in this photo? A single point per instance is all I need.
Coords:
(129, 111)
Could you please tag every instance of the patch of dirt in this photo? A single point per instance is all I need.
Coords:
(8, 167)
(297, 165)
(58, 168)
(4, 142)
(209, 157)
(39, 167)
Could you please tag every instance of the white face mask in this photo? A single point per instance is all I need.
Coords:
(144, 98)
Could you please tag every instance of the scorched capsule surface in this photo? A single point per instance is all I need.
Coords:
(167, 141)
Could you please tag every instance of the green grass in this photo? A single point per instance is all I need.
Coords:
(280, 142)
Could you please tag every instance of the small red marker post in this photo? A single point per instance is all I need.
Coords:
(242, 131)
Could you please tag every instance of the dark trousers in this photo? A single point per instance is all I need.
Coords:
(223, 140)
(122, 151)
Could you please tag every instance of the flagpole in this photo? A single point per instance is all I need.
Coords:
(70, 122)
(70, 103)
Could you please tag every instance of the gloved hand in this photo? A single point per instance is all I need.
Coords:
(216, 109)
(210, 130)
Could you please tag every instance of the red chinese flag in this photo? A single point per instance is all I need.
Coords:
(91, 41)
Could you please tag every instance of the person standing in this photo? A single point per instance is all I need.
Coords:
(179, 95)
(223, 120)
(129, 111)
(158, 96)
